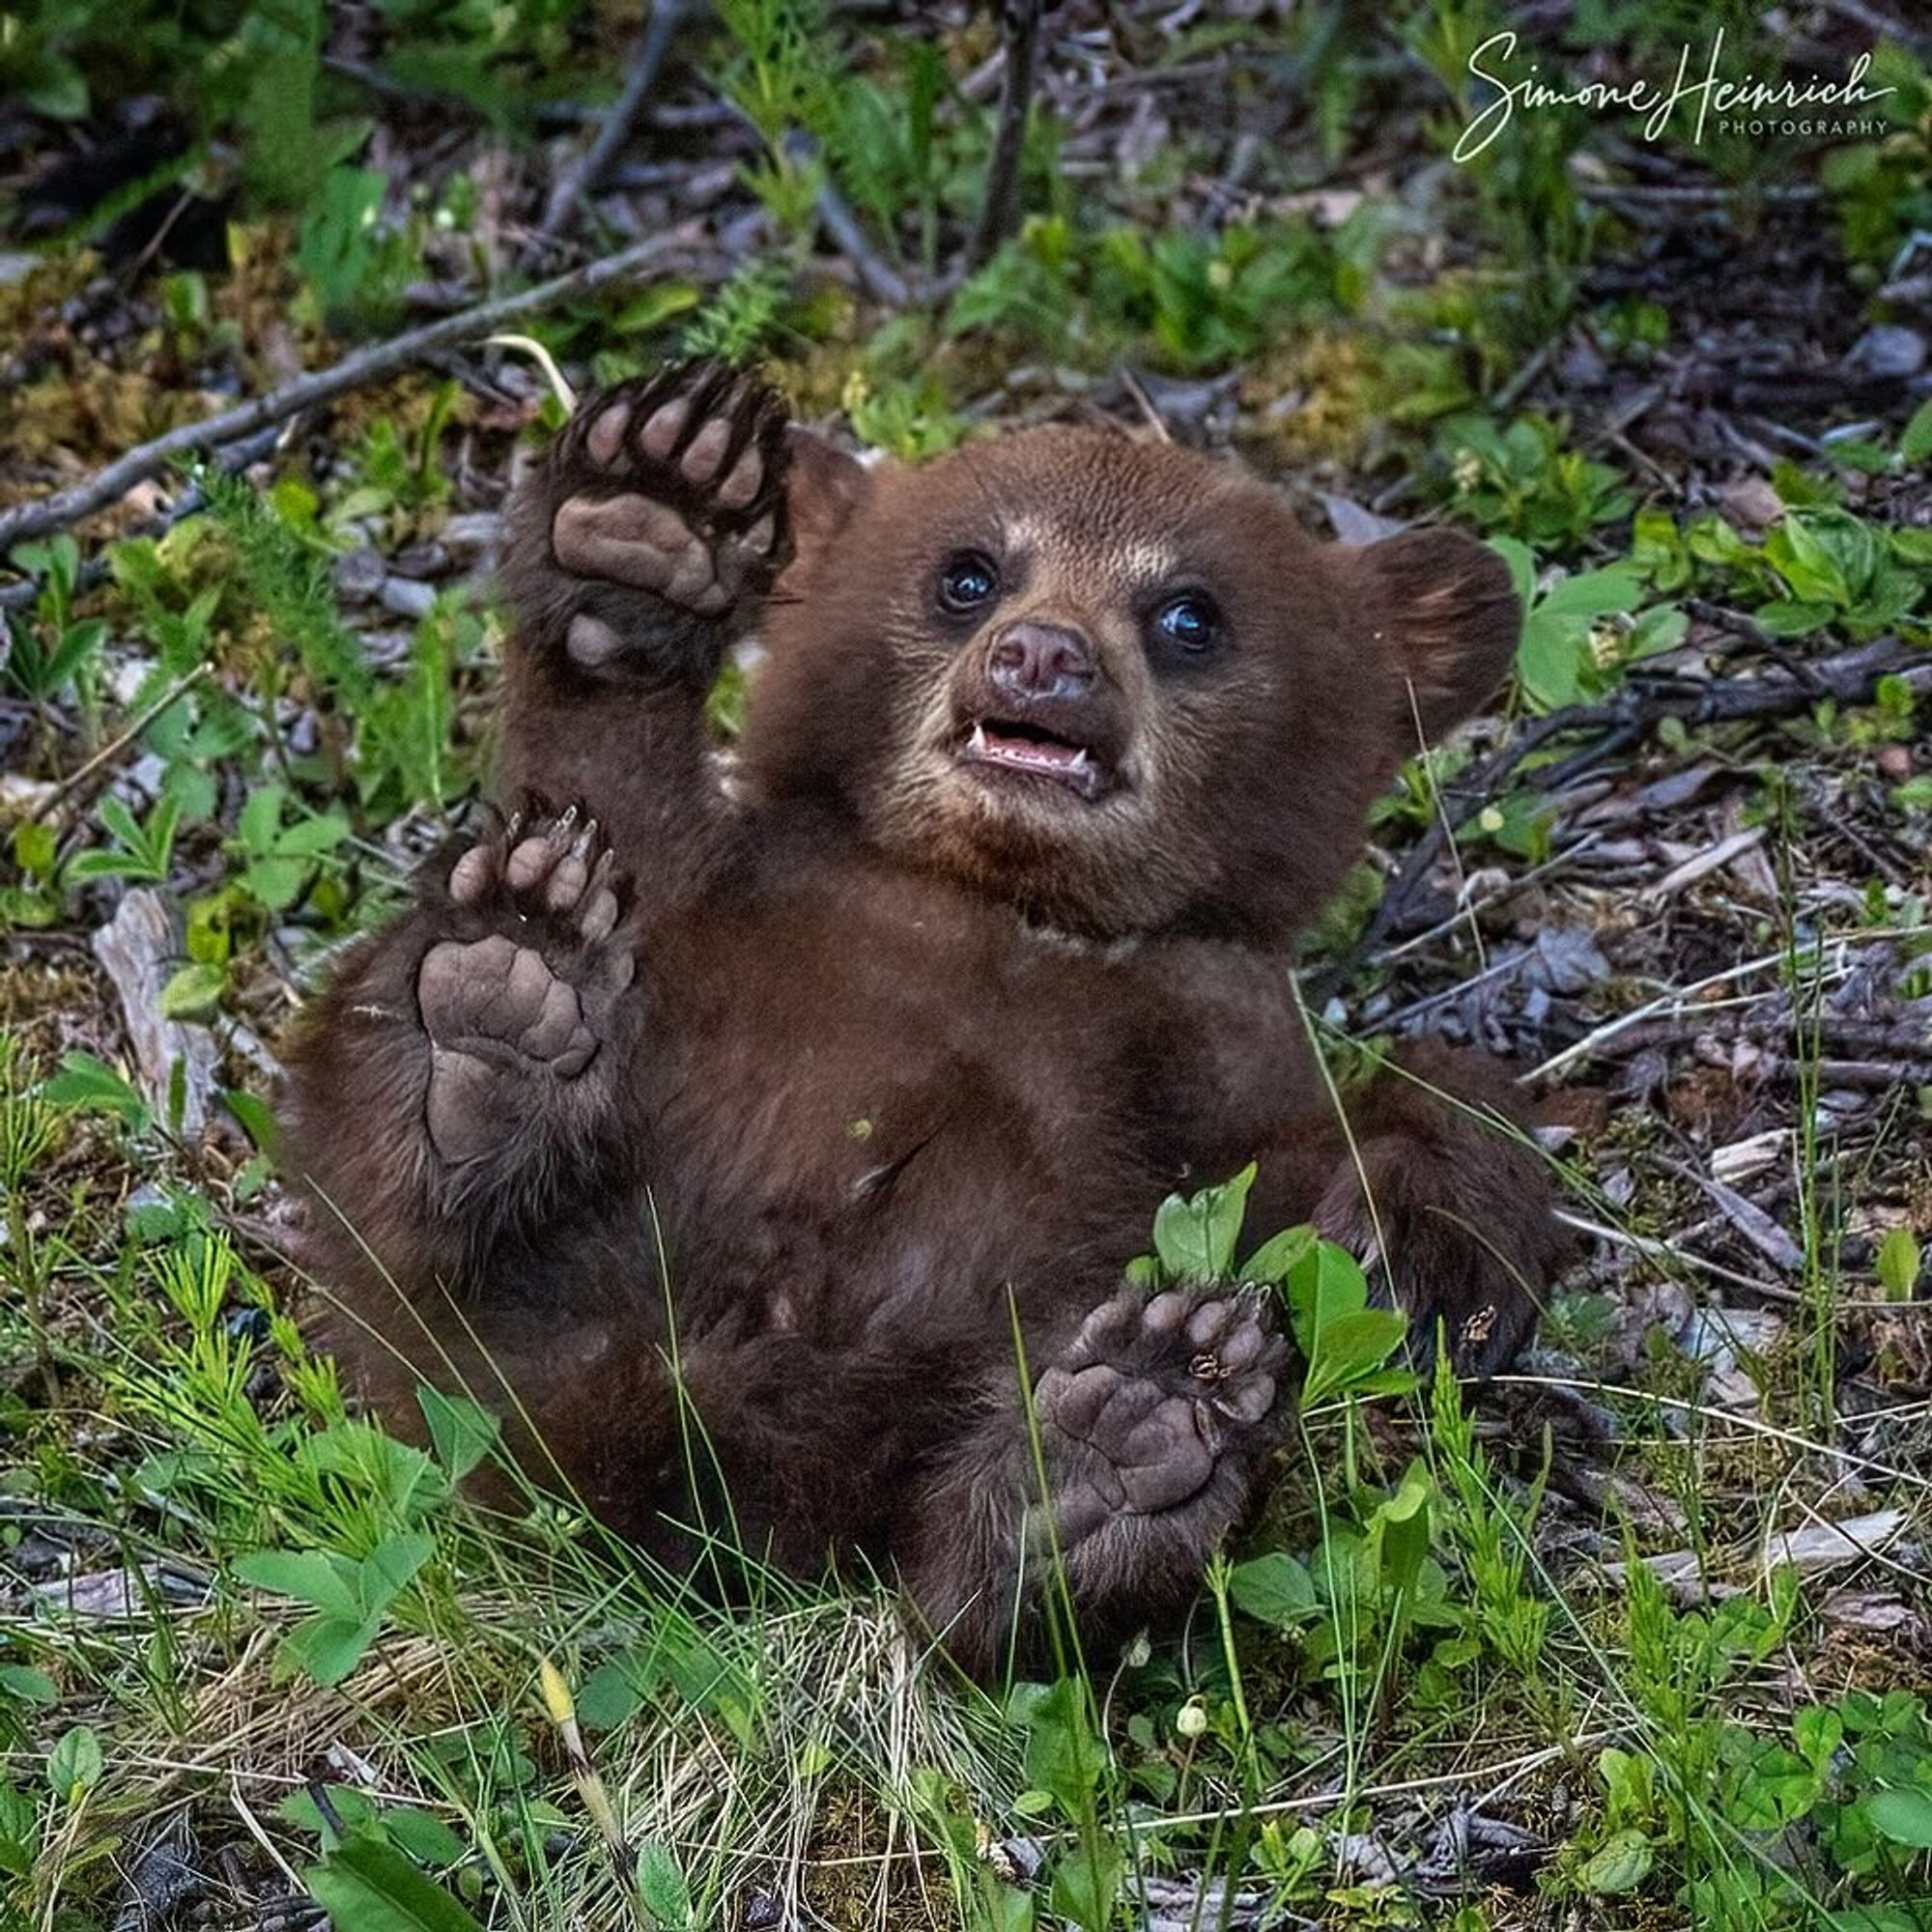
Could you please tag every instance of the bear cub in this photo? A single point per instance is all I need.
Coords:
(738, 1129)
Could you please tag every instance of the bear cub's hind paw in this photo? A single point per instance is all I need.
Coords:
(671, 486)
(1156, 1391)
(527, 995)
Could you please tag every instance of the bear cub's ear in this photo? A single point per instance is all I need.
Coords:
(1448, 606)
(824, 485)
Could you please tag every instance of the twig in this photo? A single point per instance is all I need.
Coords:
(575, 184)
(46, 514)
(1000, 208)
(235, 457)
(1714, 858)
(876, 275)
(1695, 194)
(1532, 367)
(1672, 1002)
(116, 745)
(1850, 677)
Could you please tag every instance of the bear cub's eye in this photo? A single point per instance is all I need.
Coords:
(1189, 620)
(970, 581)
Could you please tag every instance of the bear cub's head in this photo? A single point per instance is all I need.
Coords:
(1112, 683)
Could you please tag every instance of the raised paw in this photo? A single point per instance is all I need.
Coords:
(527, 993)
(672, 486)
(1156, 1391)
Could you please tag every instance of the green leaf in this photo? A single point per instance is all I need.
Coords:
(257, 1119)
(370, 1887)
(309, 1575)
(1661, 628)
(461, 1430)
(1595, 594)
(391, 1565)
(311, 838)
(1521, 567)
(1818, 1731)
(1325, 1284)
(118, 819)
(276, 882)
(84, 1081)
(1549, 660)
(1195, 1235)
(1086, 1882)
(261, 819)
(661, 1888)
(1787, 617)
(1275, 1589)
(1827, 556)
(27, 1685)
(1903, 1816)
(192, 992)
(1275, 1258)
(74, 1764)
(1898, 1264)
(1622, 1864)
(1915, 442)
(328, 1648)
(1062, 1754)
(35, 848)
(422, 1835)
(610, 1694)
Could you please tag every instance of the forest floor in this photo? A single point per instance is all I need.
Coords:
(1638, 1636)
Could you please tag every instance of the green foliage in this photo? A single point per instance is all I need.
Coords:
(1390, 1615)
(1818, 567)
(1195, 301)
(349, 1598)
(1582, 631)
(354, 265)
(1069, 1769)
(53, 652)
(368, 1886)
(1882, 189)
(1522, 482)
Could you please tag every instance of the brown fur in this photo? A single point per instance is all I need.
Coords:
(910, 1052)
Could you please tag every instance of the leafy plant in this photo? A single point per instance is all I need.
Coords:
(53, 654)
(280, 857)
(142, 854)
(1523, 482)
(1582, 630)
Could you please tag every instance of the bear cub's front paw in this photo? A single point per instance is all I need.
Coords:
(530, 994)
(672, 486)
(1156, 1391)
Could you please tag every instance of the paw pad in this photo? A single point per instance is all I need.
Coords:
(527, 988)
(671, 486)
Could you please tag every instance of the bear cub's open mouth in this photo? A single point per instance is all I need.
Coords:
(1017, 745)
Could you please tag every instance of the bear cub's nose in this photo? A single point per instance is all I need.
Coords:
(1041, 660)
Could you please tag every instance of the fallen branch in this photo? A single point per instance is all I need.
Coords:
(46, 514)
(1848, 678)
(232, 458)
(1000, 209)
(577, 182)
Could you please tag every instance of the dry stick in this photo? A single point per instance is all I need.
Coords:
(116, 745)
(576, 184)
(46, 514)
(1849, 676)
(1000, 209)
(230, 459)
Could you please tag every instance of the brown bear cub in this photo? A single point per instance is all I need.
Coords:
(720, 1128)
